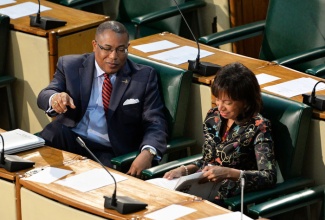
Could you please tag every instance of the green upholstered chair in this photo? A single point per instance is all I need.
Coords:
(293, 33)
(291, 202)
(147, 17)
(6, 80)
(77, 4)
(175, 86)
(290, 124)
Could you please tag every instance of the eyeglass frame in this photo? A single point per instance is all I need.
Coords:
(109, 51)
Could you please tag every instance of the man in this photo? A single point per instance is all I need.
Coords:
(126, 116)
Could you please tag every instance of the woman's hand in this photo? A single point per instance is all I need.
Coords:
(218, 173)
(175, 173)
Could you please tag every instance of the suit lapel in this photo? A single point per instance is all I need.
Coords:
(122, 82)
(86, 76)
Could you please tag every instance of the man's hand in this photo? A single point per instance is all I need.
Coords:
(141, 162)
(60, 101)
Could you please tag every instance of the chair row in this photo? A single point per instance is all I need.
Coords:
(293, 31)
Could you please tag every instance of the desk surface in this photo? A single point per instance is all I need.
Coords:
(93, 201)
(222, 58)
(76, 19)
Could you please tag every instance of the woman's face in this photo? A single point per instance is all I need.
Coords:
(228, 108)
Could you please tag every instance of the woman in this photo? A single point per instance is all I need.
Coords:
(238, 142)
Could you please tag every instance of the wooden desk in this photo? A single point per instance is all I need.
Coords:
(34, 53)
(62, 202)
(223, 57)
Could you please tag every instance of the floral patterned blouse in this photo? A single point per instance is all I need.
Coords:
(247, 147)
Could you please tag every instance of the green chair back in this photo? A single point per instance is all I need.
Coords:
(130, 9)
(293, 26)
(290, 125)
(6, 80)
(4, 39)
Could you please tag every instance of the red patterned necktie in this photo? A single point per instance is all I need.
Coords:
(106, 91)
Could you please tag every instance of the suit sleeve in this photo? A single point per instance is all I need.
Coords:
(154, 119)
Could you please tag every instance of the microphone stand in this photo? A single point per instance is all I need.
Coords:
(242, 185)
(122, 204)
(201, 68)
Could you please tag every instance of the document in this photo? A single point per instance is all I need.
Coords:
(23, 9)
(170, 212)
(295, 87)
(48, 175)
(89, 180)
(180, 55)
(189, 184)
(4, 2)
(263, 78)
(17, 140)
(155, 46)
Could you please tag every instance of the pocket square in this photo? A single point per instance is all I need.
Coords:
(131, 101)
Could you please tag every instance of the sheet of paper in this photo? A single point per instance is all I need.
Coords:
(4, 2)
(170, 212)
(92, 179)
(23, 9)
(263, 78)
(295, 87)
(180, 55)
(228, 216)
(155, 46)
(48, 175)
(163, 182)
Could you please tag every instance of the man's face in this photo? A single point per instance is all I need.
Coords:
(110, 50)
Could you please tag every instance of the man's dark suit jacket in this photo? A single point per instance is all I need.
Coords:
(129, 126)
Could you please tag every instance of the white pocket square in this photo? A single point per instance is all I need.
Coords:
(131, 101)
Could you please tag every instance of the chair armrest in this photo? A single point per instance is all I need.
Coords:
(317, 71)
(288, 202)
(301, 57)
(234, 34)
(168, 12)
(120, 162)
(177, 144)
(159, 171)
(257, 197)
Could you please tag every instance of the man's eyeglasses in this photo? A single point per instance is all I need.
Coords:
(119, 51)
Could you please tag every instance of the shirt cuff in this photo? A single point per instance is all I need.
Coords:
(157, 157)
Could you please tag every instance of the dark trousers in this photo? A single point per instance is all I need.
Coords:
(61, 137)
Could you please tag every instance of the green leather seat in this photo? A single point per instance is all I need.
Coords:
(6, 80)
(290, 124)
(77, 4)
(147, 17)
(175, 87)
(293, 33)
(290, 202)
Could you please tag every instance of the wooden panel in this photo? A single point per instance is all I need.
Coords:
(244, 12)
(8, 200)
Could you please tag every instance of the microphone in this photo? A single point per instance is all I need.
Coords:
(316, 102)
(13, 163)
(45, 22)
(201, 68)
(122, 204)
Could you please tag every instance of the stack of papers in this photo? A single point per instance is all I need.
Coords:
(17, 140)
